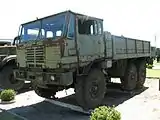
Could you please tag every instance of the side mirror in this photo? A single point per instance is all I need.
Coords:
(16, 39)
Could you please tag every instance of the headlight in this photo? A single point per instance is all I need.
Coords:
(52, 78)
(18, 65)
(58, 65)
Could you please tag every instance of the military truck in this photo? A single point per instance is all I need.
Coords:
(158, 54)
(152, 57)
(7, 64)
(71, 50)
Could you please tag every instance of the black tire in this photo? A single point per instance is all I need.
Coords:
(43, 92)
(129, 80)
(122, 81)
(91, 90)
(7, 80)
(141, 76)
(79, 90)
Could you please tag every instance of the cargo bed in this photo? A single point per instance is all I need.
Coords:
(119, 47)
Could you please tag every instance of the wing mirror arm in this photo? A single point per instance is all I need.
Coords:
(15, 39)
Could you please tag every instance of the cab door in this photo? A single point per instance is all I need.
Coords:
(90, 42)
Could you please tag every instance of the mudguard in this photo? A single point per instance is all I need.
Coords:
(7, 59)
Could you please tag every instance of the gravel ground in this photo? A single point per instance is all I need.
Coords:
(142, 106)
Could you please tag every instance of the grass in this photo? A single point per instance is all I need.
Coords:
(7, 116)
(153, 73)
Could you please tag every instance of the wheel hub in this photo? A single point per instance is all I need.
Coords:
(94, 90)
(132, 77)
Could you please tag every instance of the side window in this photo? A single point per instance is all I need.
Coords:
(49, 34)
(58, 33)
(95, 27)
(100, 28)
(42, 34)
(91, 30)
(88, 27)
(71, 26)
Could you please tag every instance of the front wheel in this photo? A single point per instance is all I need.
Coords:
(7, 80)
(91, 90)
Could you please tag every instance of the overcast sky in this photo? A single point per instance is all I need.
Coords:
(131, 18)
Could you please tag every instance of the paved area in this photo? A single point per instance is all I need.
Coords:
(33, 107)
(144, 105)
(7, 115)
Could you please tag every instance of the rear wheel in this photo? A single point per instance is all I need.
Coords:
(141, 68)
(130, 78)
(7, 80)
(91, 90)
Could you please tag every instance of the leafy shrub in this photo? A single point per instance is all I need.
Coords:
(105, 113)
(149, 66)
(7, 95)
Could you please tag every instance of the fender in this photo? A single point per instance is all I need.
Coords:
(7, 59)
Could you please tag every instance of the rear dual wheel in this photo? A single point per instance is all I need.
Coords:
(135, 76)
(141, 70)
(90, 90)
(129, 80)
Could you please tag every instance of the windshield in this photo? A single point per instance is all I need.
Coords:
(51, 27)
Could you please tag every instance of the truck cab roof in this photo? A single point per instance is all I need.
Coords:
(68, 11)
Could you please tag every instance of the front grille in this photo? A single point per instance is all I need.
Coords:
(35, 55)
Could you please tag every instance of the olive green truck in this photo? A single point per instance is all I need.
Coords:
(7, 64)
(71, 50)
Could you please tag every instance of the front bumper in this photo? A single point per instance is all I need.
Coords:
(44, 78)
